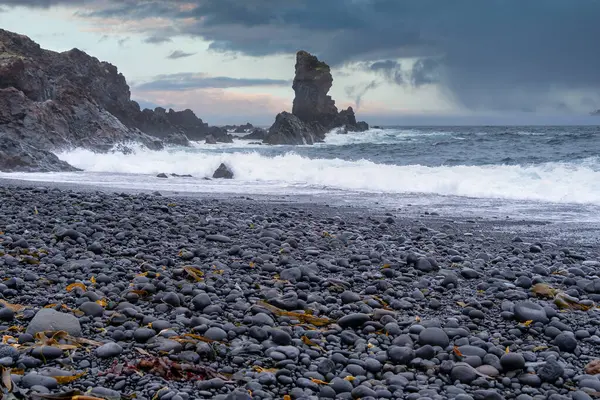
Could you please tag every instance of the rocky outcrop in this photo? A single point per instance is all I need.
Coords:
(244, 128)
(256, 134)
(223, 172)
(314, 112)
(16, 155)
(247, 127)
(55, 101)
(290, 129)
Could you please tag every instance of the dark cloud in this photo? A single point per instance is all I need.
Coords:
(41, 3)
(191, 81)
(390, 69)
(492, 54)
(425, 72)
(179, 54)
(156, 39)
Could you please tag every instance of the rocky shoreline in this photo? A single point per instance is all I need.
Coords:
(188, 298)
(51, 102)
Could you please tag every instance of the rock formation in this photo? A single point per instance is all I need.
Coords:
(223, 172)
(256, 134)
(314, 112)
(54, 101)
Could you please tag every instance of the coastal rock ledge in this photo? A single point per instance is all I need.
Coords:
(53, 101)
(314, 112)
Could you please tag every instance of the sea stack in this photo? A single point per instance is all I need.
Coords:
(314, 112)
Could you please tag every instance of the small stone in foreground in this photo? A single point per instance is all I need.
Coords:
(109, 350)
(51, 320)
(529, 311)
(434, 337)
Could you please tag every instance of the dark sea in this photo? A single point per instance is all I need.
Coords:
(506, 170)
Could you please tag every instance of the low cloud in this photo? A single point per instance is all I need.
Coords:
(357, 92)
(390, 70)
(157, 39)
(179, 54)
(191, 81)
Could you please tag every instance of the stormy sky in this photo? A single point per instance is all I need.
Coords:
(397, 61)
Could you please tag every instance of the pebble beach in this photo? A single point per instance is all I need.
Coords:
(148, 296)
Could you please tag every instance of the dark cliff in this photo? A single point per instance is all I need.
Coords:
(53, 101)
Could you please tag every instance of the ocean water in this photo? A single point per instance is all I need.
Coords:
(504, 170)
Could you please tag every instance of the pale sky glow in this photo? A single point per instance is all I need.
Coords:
(240, 81)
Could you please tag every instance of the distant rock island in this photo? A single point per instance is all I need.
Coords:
(314, 112)
(52, 102)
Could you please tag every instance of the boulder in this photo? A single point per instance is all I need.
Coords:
(289, 129)
(223, 172)
(50, 320)
(18, 156)
(315, 111)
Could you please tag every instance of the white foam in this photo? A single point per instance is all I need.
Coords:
(378, 136)
(287, 173)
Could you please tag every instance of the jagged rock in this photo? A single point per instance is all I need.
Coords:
(256, 134)
(315, 111)
(210, 139)
(55, 101)
(220, 135)
(177, 139)
(223, 172)
(243, 128)
(17, 156)
(362, 126)
(162, 175)
(289, 129)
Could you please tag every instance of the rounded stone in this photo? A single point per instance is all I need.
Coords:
(142, 335)
(109, 350)
(281, 337)
(463, 373)
(92, 309)
(6, 314)
(353, 320)
(215, 333)
(201, 301)
(400, 355)
(48, 319)
(512, 361)
(566, 342)
(171, 299)
(340, 385)
(434, 336)
(529, 311)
